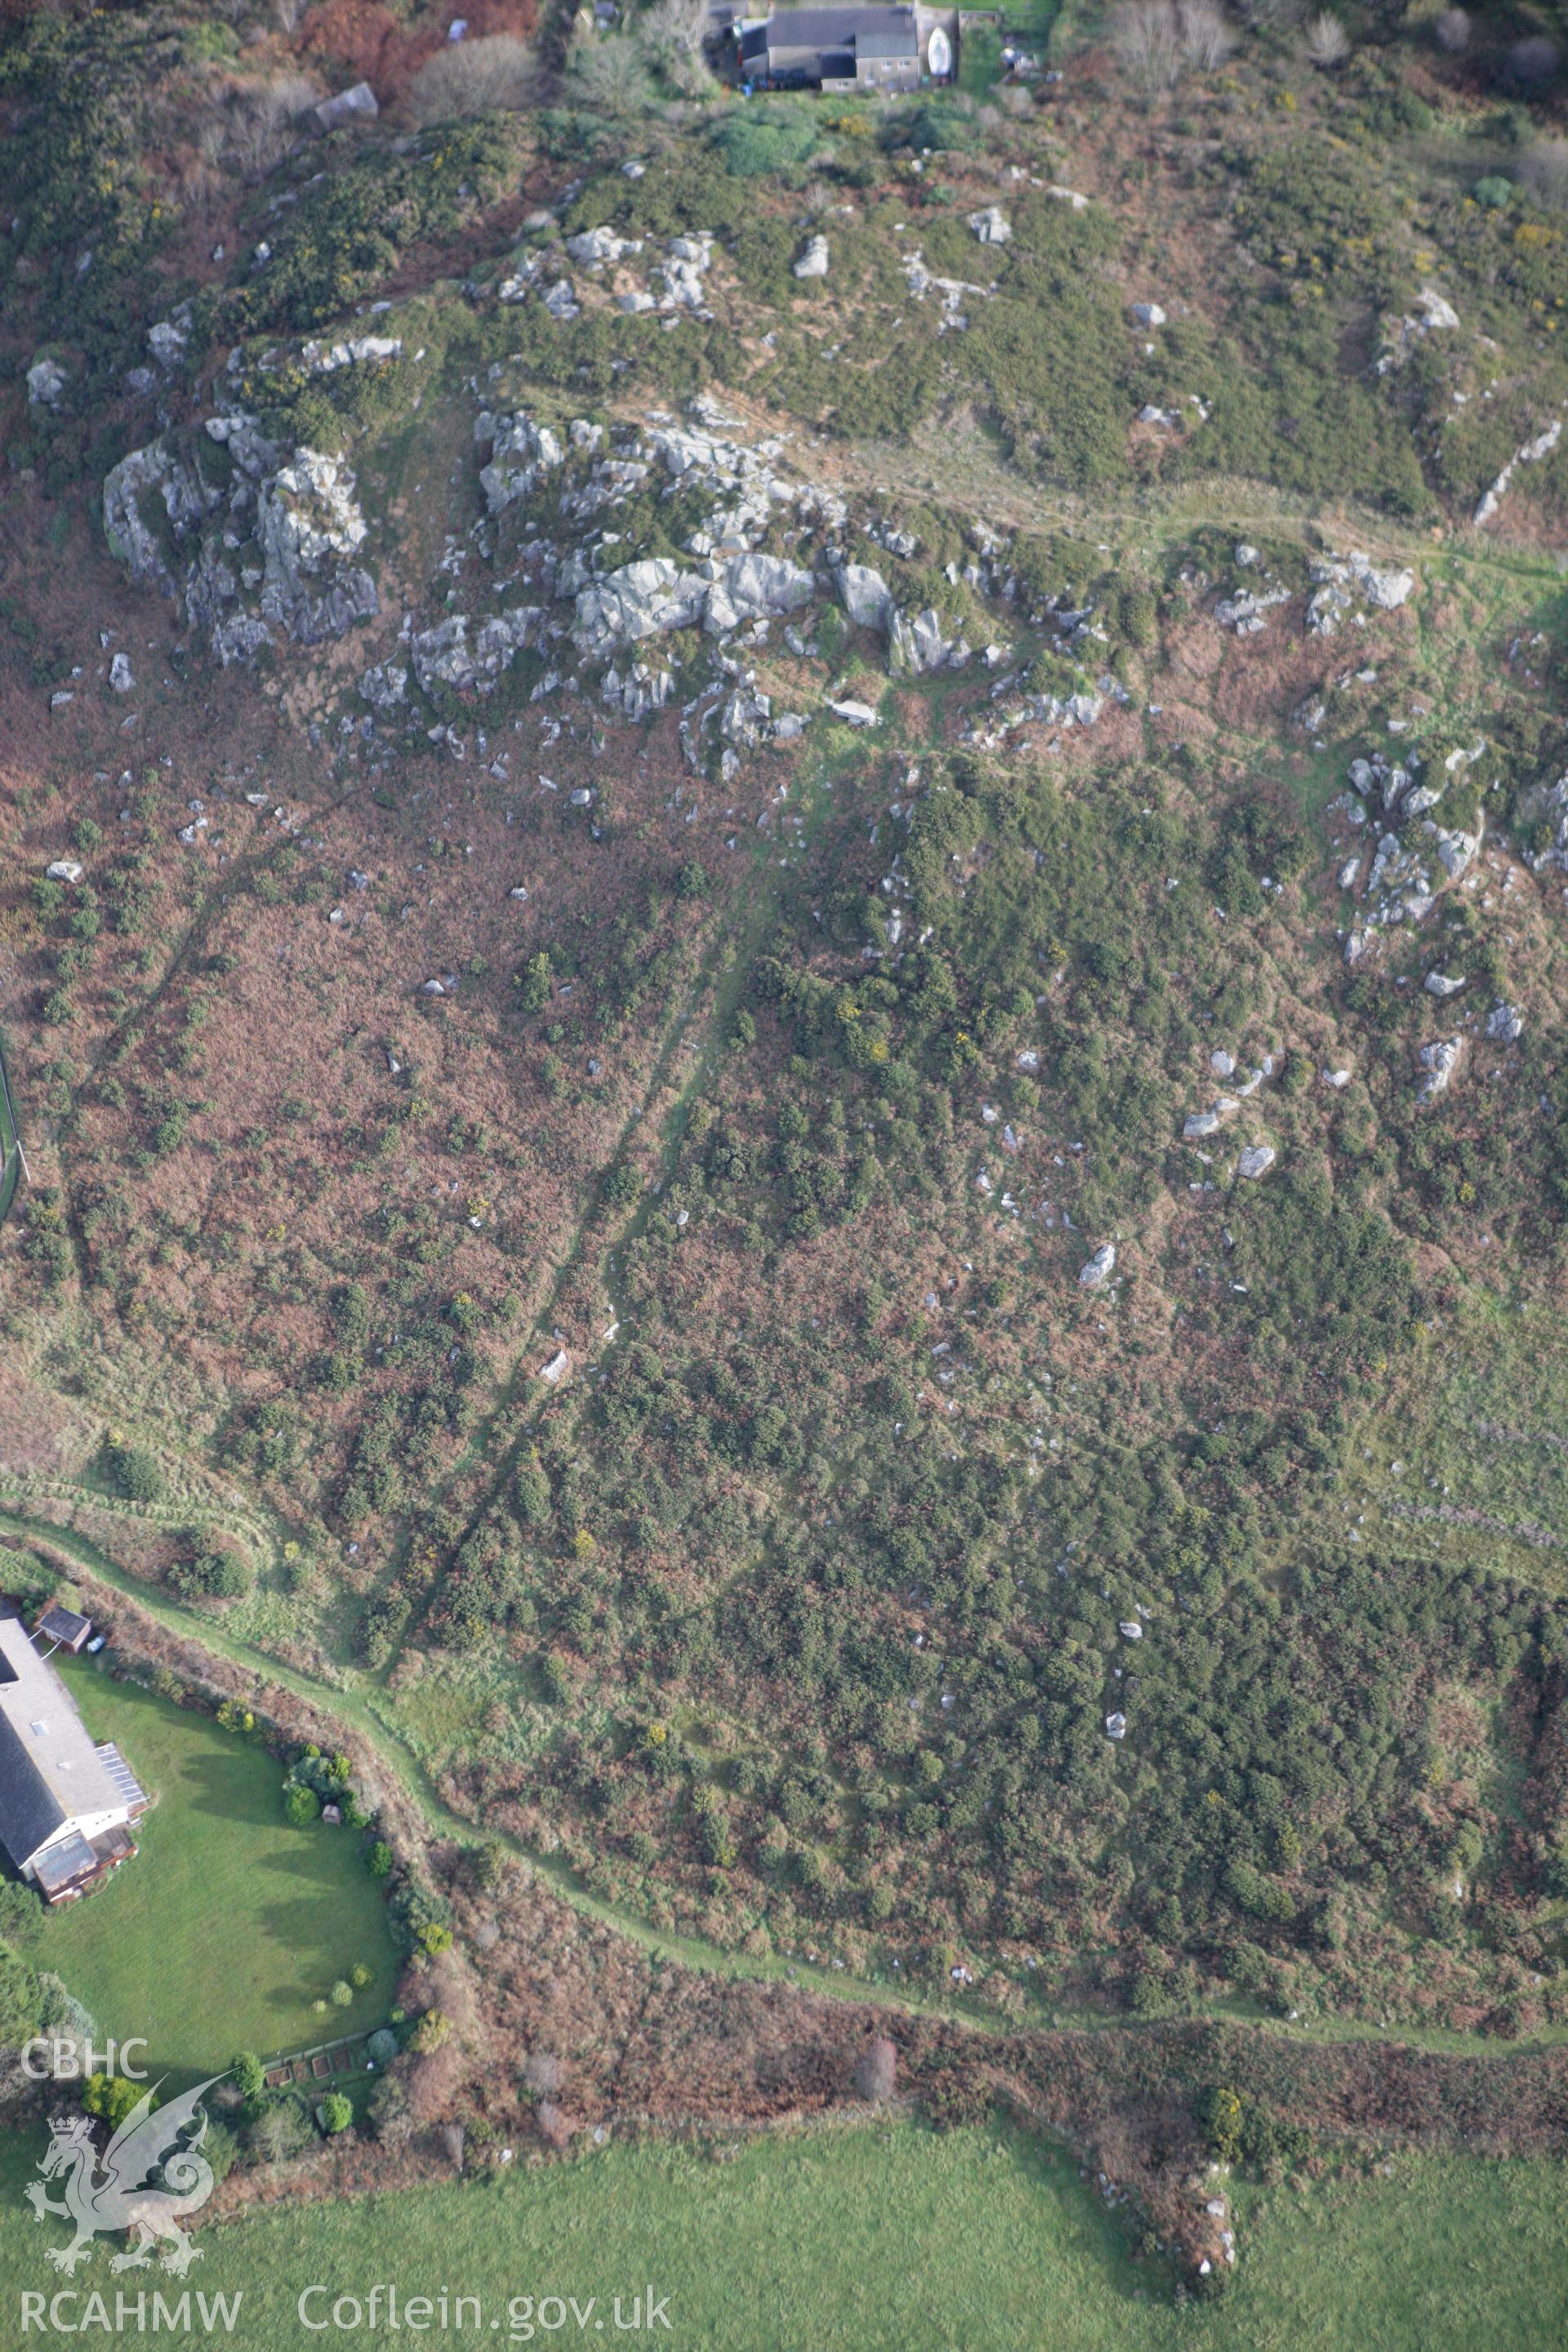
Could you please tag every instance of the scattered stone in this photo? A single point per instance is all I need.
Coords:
(1147, 314)
(1100, 1268)
(813, 262)
(1256, 1161)
(1338, 1080)
(595, 245)
(854, 714)
(1439, 1061)
(359, 350)
(1504, 1025)
(1116, 1727)
(385, 684)
(45, 383)
(63, 870)
(865, 596)
(1432, 313)
(119, 675)
(992, 226)
(1198, 1124)
(556, 1369)
(1532, 454)
(1439, 983)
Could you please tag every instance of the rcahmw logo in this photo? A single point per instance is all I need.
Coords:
(69, 2312)
(150, 2177)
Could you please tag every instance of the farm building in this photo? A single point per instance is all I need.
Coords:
(65, 1806)
(846, 49)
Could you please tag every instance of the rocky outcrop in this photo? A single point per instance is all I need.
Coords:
(445, 656)
(284, 560)
(523, 451)
(865, 596)
(923, 644)
(1345, 587)
(655, 596)
(310, 529)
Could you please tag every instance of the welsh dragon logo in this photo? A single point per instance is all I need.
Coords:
(145, 2181)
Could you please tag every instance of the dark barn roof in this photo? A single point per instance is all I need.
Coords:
(838, 35)
(28, 1813)
(65, 1625)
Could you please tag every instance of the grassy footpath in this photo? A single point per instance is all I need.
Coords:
(895, 2240)
(352, 1708)
(10, 1141)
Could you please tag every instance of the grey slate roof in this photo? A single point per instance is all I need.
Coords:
(29, 1812)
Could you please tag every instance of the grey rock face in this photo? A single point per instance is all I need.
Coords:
(444, 655)
(523, 451)
(310, 527)
(45, 383)
(1439, 1060)
(1100, 1268)
(385, 686)
(992, 226)
(865, 596)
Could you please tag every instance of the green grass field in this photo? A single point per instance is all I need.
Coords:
(229, 1923)
(900, 2240)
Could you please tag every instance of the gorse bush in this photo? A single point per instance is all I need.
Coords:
(759, 140)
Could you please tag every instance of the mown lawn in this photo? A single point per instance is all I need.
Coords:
(900, 2240)
(229, 1923)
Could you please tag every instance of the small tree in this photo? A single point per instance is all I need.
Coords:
(280, 2131)
(1328, 43)
(381, 2047)
(337, 2112)
(1453, 31)
(543, 2074)
(248, 2078)
(432, 2031)
(138, 1473)
(109, 2098)
(359, 1976)
(1220, 2118)
(302, 1806)
(343, 1994)
(378, 1858)
(494, 74)
(386, 2110)
(534, 983)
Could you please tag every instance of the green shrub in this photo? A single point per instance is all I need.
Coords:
(138, 1473)
(758, 139)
